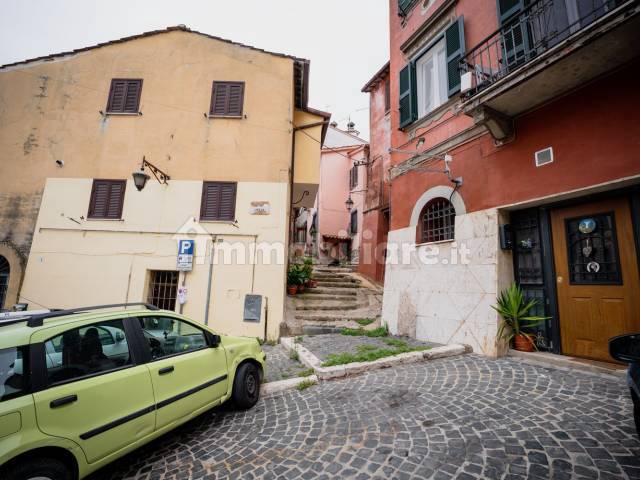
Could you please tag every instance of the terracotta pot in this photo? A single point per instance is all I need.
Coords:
(300, 288)
(292, 289)
(523, 343)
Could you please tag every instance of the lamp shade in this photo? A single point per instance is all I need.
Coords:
(349, 204)
(140, 179)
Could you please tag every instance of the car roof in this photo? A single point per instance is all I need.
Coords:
(19, 333)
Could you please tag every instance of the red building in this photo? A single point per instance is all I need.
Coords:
(375, 219)
(515, 156)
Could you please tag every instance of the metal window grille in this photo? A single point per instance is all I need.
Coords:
(4, 279)
(438, 221)
(163, 289)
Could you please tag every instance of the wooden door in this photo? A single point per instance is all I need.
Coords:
(597, 276)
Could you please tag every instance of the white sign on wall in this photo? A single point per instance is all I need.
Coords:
(260, 208)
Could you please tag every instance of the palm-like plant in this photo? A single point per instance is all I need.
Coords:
(514, 310)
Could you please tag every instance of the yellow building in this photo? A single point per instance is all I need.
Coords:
(227, 123)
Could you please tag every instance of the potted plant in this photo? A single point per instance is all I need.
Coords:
(293, 279)
(307, 269)
(514, 310)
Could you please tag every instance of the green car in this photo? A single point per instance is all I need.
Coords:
(80, 388)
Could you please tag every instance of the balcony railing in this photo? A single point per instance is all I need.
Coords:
(538, 28)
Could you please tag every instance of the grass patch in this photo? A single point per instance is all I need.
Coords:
(271, 343)
(307, 373)
(303, 385)
(298, 339)
(293, 355)
(394, 342)
(366, 353)
(361, 332)
(365, 321)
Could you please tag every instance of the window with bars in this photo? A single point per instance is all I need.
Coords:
(163, 289)
(227, 99)
(218, 201)
(107, 198)
(124, 95)
(437, 221)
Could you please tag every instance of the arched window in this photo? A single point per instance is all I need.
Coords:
(437, 221)
(4, 279)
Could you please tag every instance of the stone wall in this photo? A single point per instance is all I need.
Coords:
(436, 295)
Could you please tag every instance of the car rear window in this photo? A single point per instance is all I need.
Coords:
(13, 381)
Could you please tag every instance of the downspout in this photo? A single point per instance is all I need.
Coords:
(213, 249)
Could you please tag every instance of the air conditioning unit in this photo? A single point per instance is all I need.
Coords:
(466, 82)
(543, 157)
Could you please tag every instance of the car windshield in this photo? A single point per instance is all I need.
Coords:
(12, 381)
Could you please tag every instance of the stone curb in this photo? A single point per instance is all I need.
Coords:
(272, 388)
(326, 373)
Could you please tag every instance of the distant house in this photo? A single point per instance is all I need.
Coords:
(334, 225)
(224, 121)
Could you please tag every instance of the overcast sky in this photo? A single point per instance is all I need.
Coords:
(347, 41)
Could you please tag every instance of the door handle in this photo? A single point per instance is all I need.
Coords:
(59, 402)
(165, 370)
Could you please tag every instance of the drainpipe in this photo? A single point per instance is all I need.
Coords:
(213, 249)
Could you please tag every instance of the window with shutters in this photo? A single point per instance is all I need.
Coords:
(437, 221)
(433, 76)
(353, 223)
(107, 198)
(227, 99)
(124, 95)
(218, 201)
(387, 95)
(353, 177)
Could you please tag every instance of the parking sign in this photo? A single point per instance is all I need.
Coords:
(186, 250)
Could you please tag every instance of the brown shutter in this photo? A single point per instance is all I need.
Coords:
(227, 99)
(218, 201)
(124, 96)
(107, 198)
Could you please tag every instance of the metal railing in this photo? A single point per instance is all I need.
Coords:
(536, 29)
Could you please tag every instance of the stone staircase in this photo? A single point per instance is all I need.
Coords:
(340, 298)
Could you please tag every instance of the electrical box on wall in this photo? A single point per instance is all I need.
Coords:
(506, 242)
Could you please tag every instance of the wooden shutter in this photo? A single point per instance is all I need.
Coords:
(227, 99)
(218, 201)
(454, 40)
(407, 90)
(107, 198)
(514, 39)
(124, 96)
(403, 6)
(387, 95)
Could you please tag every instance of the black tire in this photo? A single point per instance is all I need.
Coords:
(49, 468)
(246, 386)
(636, 410)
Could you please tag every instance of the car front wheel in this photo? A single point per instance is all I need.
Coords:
(39, 469)
(246, 386)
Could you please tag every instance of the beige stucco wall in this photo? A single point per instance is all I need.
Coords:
(307, 154)
(85, 262)
(50, 110)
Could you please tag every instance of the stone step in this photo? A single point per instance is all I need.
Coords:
(337, 276)
(331, 316)
(338, 284)
(326, 294)
(327, 306)
(333, 269)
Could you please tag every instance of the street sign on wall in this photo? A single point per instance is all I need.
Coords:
(186, 250)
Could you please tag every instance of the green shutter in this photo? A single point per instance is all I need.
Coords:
(407, 91)
(514, 39)
(454, 39)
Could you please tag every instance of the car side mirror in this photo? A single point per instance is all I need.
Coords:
(625, 348)
(119, 336)
(213, 340)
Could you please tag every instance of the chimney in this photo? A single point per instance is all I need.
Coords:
(351, 128)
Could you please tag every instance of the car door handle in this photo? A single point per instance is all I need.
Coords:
(58, 402)
(165, 370)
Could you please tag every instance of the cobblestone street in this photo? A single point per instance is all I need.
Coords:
(464, 417)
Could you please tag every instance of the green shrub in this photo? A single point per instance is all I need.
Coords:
(361, 332)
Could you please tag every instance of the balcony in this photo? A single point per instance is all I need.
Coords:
(543, 52)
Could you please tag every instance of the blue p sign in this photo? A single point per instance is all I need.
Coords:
(186, 247)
